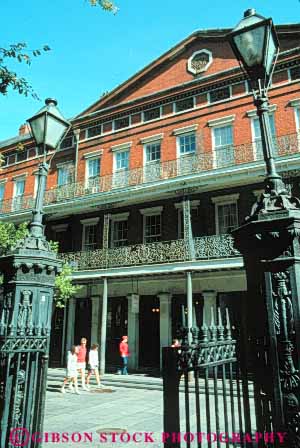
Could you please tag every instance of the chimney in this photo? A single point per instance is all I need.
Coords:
(24, 129)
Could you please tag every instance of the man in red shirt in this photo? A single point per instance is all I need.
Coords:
(81, 361)
(124, 353)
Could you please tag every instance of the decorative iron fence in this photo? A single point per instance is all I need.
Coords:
(207, 247)
(160, 171)
(206, 403)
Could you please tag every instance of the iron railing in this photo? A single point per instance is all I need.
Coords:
(206, 400)
(206, 247)
(159, 171)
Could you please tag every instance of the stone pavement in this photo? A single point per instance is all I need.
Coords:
(116, 409)
(126, 406)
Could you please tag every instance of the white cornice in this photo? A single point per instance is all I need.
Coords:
(220, 121)
(152, 138)
(89, 221)
(119, 216)
(19, 176)
(225, 199)
(151, 210)
(90, 155)
(295, 102)
(185, 129)
(121, 147)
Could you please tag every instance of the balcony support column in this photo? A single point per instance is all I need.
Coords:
(95, 319)
(103, 327)
(209, 305)
(133, 330)
(165, 322)
(187, 229)
(71, 323)
(189, 301)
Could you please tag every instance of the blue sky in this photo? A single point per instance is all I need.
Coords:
(94, 51)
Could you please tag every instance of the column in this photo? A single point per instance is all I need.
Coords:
(133, 330)
(189, 301)
(71, 323)
(210, 302)
(95, 320)
(103, 328)
(165, 322)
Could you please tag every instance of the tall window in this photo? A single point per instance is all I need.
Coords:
(257, 136)
(19, 188)
(89, 237)
(120, 233)
(152, 161)
(152, 228)
(297, 111)
(2, 189)
(187, 143)
(227, 217)
(223, 146)
(121, 166)
(65, 174)
(122, 160)
(93, 172)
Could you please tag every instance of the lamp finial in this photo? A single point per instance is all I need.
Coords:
(51, 101)
(249, 12)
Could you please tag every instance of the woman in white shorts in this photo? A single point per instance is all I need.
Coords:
(72, 372)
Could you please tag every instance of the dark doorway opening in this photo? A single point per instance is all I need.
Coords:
(149, 333)
(83, 316)
(116, 328)
(57, 328)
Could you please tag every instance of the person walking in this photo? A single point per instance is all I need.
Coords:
(81, 361)
(124, 353)
(93, 366)
(71, 374)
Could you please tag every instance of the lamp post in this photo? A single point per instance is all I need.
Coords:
(29, 271)
(269, 243)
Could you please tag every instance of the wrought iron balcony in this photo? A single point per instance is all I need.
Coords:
(206, 248)
(194, 163)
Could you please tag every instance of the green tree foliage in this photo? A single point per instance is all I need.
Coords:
(9, 78)
(11, 234)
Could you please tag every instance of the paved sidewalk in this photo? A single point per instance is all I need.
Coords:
(115, 409)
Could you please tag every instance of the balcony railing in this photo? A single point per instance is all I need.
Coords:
(160, 171)
(206, 248)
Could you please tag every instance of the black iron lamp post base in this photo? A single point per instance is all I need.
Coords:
(271, 249)
(25, 325)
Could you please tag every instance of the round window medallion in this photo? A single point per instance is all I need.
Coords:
(199, 61)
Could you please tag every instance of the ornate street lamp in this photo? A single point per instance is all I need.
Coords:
(255, 44)
(47, 128)
(29, 272)
(269, 243)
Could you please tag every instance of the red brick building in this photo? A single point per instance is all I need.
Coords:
(149, 183)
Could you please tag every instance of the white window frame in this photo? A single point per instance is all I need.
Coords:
(252, 114)
(85, 223)
(120, 217)
(64, 165)
(87, 176)
(152, 211)
(18, 198)
(16, 179)
(216, 123)
(2, 183)
(296, 105)
(224, 200)
(185, 154)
